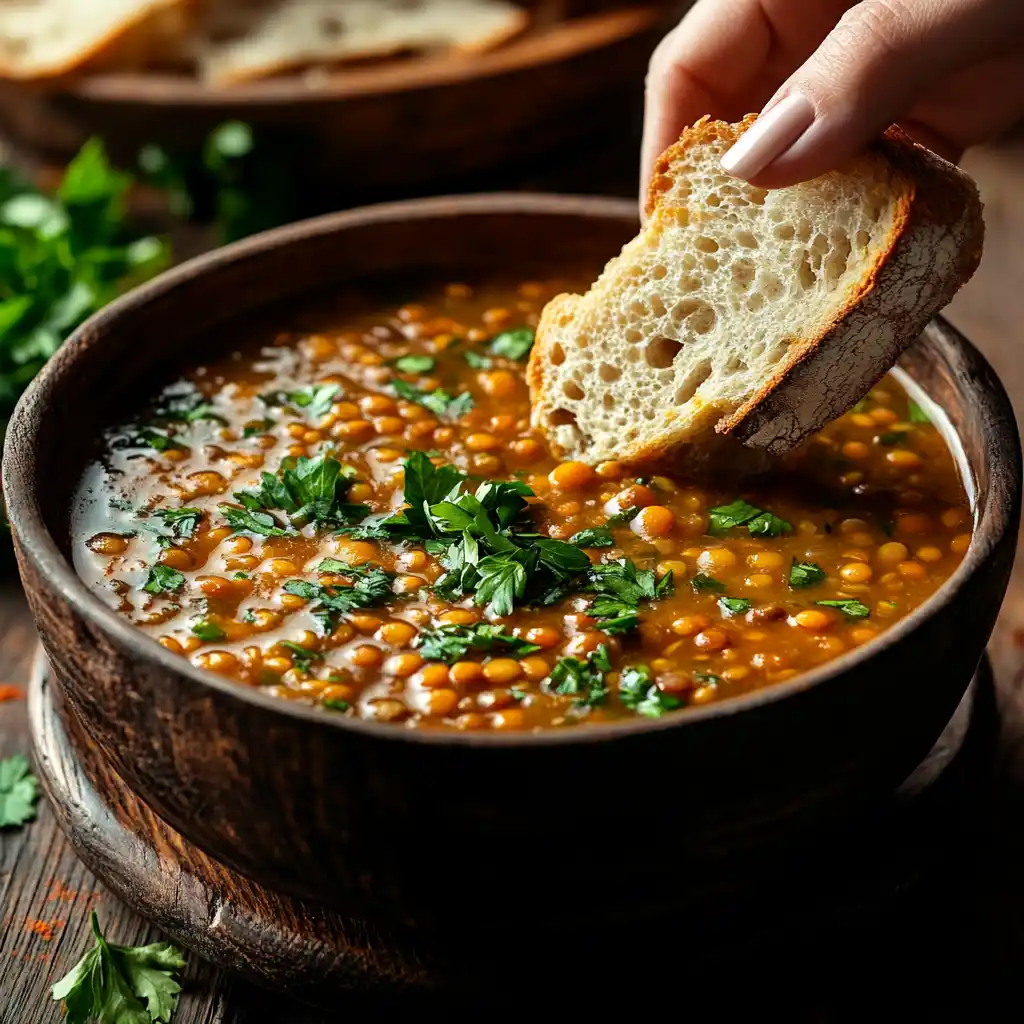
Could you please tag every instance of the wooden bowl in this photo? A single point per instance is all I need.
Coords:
(380, 129)
(459, 829)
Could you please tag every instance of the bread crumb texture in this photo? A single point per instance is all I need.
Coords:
(725, 291)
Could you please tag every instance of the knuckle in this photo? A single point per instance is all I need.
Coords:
(663, 59)
(880, 21)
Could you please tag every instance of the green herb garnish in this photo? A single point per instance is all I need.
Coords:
(849, 606)
(450, 643)
(121, 984)
(371, 585)
(702, 581)
(806, 574)
(734, 605)
(208, 631)
(477, 361)
(302, 657)
(334, 704)
(438, 401)
(163, 579)
(171, 524)
(741, 513)
(414, 364)
(638, 691)
(621, 588)
(583, 680)
(514, 345)
(601, 536)
(18, 792)
(915, 413)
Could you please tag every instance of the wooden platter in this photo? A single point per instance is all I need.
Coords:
(401, 126)
(874, 871)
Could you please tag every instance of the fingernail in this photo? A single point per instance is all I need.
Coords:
(769, 137)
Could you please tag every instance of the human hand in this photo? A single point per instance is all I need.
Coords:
(832, 75)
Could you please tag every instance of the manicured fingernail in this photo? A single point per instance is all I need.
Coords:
(769, 137)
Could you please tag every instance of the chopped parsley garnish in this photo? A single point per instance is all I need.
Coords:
(207, 630)
(334, 704)
(163, 579)
(702, 581)
(638, 692)
(741, 513)
(371, 585)
(316, 399)
(806, 574)
(171, 524)
(584, 680)
(450, 643)
(308, 491)
(916, 414)
(862, 406)
(707, 678)
(159, 442)
(302, 657)
(514, 345)
(255, 427)
(185, 405)
(249, 616)
(414, 364)
(477, 361)
(601, 536)
(734, 605)
(848, 606)
(241, 575)
(18, 791)
(121, 984)
(438, 401)
(621, 588)
(244, 520)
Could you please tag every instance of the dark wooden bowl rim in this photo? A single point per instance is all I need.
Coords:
(560, 42)
(39, 545)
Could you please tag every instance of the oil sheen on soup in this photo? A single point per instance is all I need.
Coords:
(351, 511)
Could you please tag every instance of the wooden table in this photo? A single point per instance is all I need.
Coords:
(45, 894)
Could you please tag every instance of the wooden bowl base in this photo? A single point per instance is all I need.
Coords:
(836, 905)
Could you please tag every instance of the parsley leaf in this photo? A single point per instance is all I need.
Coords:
(244, 520)
(806, 574)
(316, 399)
(207, 630)
(450, 643)
(601, 536)
(741, 513)
(163, 580)
(334, 704)
(621, 587)
(371, 585)
(477, 361)
(171, 524)
(702, 581)
(308, 490)
(514, 345)
(583, 680)
(849, 606)
(121, 984)
(438, 401)
(915, 413)
(255, 427)
(892, 437)
(414, 364)
(302, 657)
(638, 692)
(501, 582)
(18, 792)
(734, 605)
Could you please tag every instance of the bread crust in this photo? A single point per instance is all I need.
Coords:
(935, 251)
(932, 248)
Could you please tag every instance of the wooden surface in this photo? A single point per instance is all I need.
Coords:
(967, 937)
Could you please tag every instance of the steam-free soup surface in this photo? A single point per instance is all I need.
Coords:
(254, 520)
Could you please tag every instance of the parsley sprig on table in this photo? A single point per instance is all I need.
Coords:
(306, 490)
(18, 792)
(121, 984)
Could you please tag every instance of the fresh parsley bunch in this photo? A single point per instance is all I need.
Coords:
(62, 258)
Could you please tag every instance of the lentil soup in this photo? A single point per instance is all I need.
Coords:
(360, 518)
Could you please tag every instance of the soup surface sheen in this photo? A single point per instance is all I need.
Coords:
(252, 521)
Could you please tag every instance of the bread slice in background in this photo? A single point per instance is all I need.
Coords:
(757, 314)
(47, 39)
(267, 39)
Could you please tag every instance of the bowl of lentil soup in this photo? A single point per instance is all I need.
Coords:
(327, 604)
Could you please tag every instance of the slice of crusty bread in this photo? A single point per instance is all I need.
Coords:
(268, 39)
(758, 314)
(44, 39)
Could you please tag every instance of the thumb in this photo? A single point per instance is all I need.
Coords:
(865, 75)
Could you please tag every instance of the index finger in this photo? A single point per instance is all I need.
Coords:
(716, 51)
